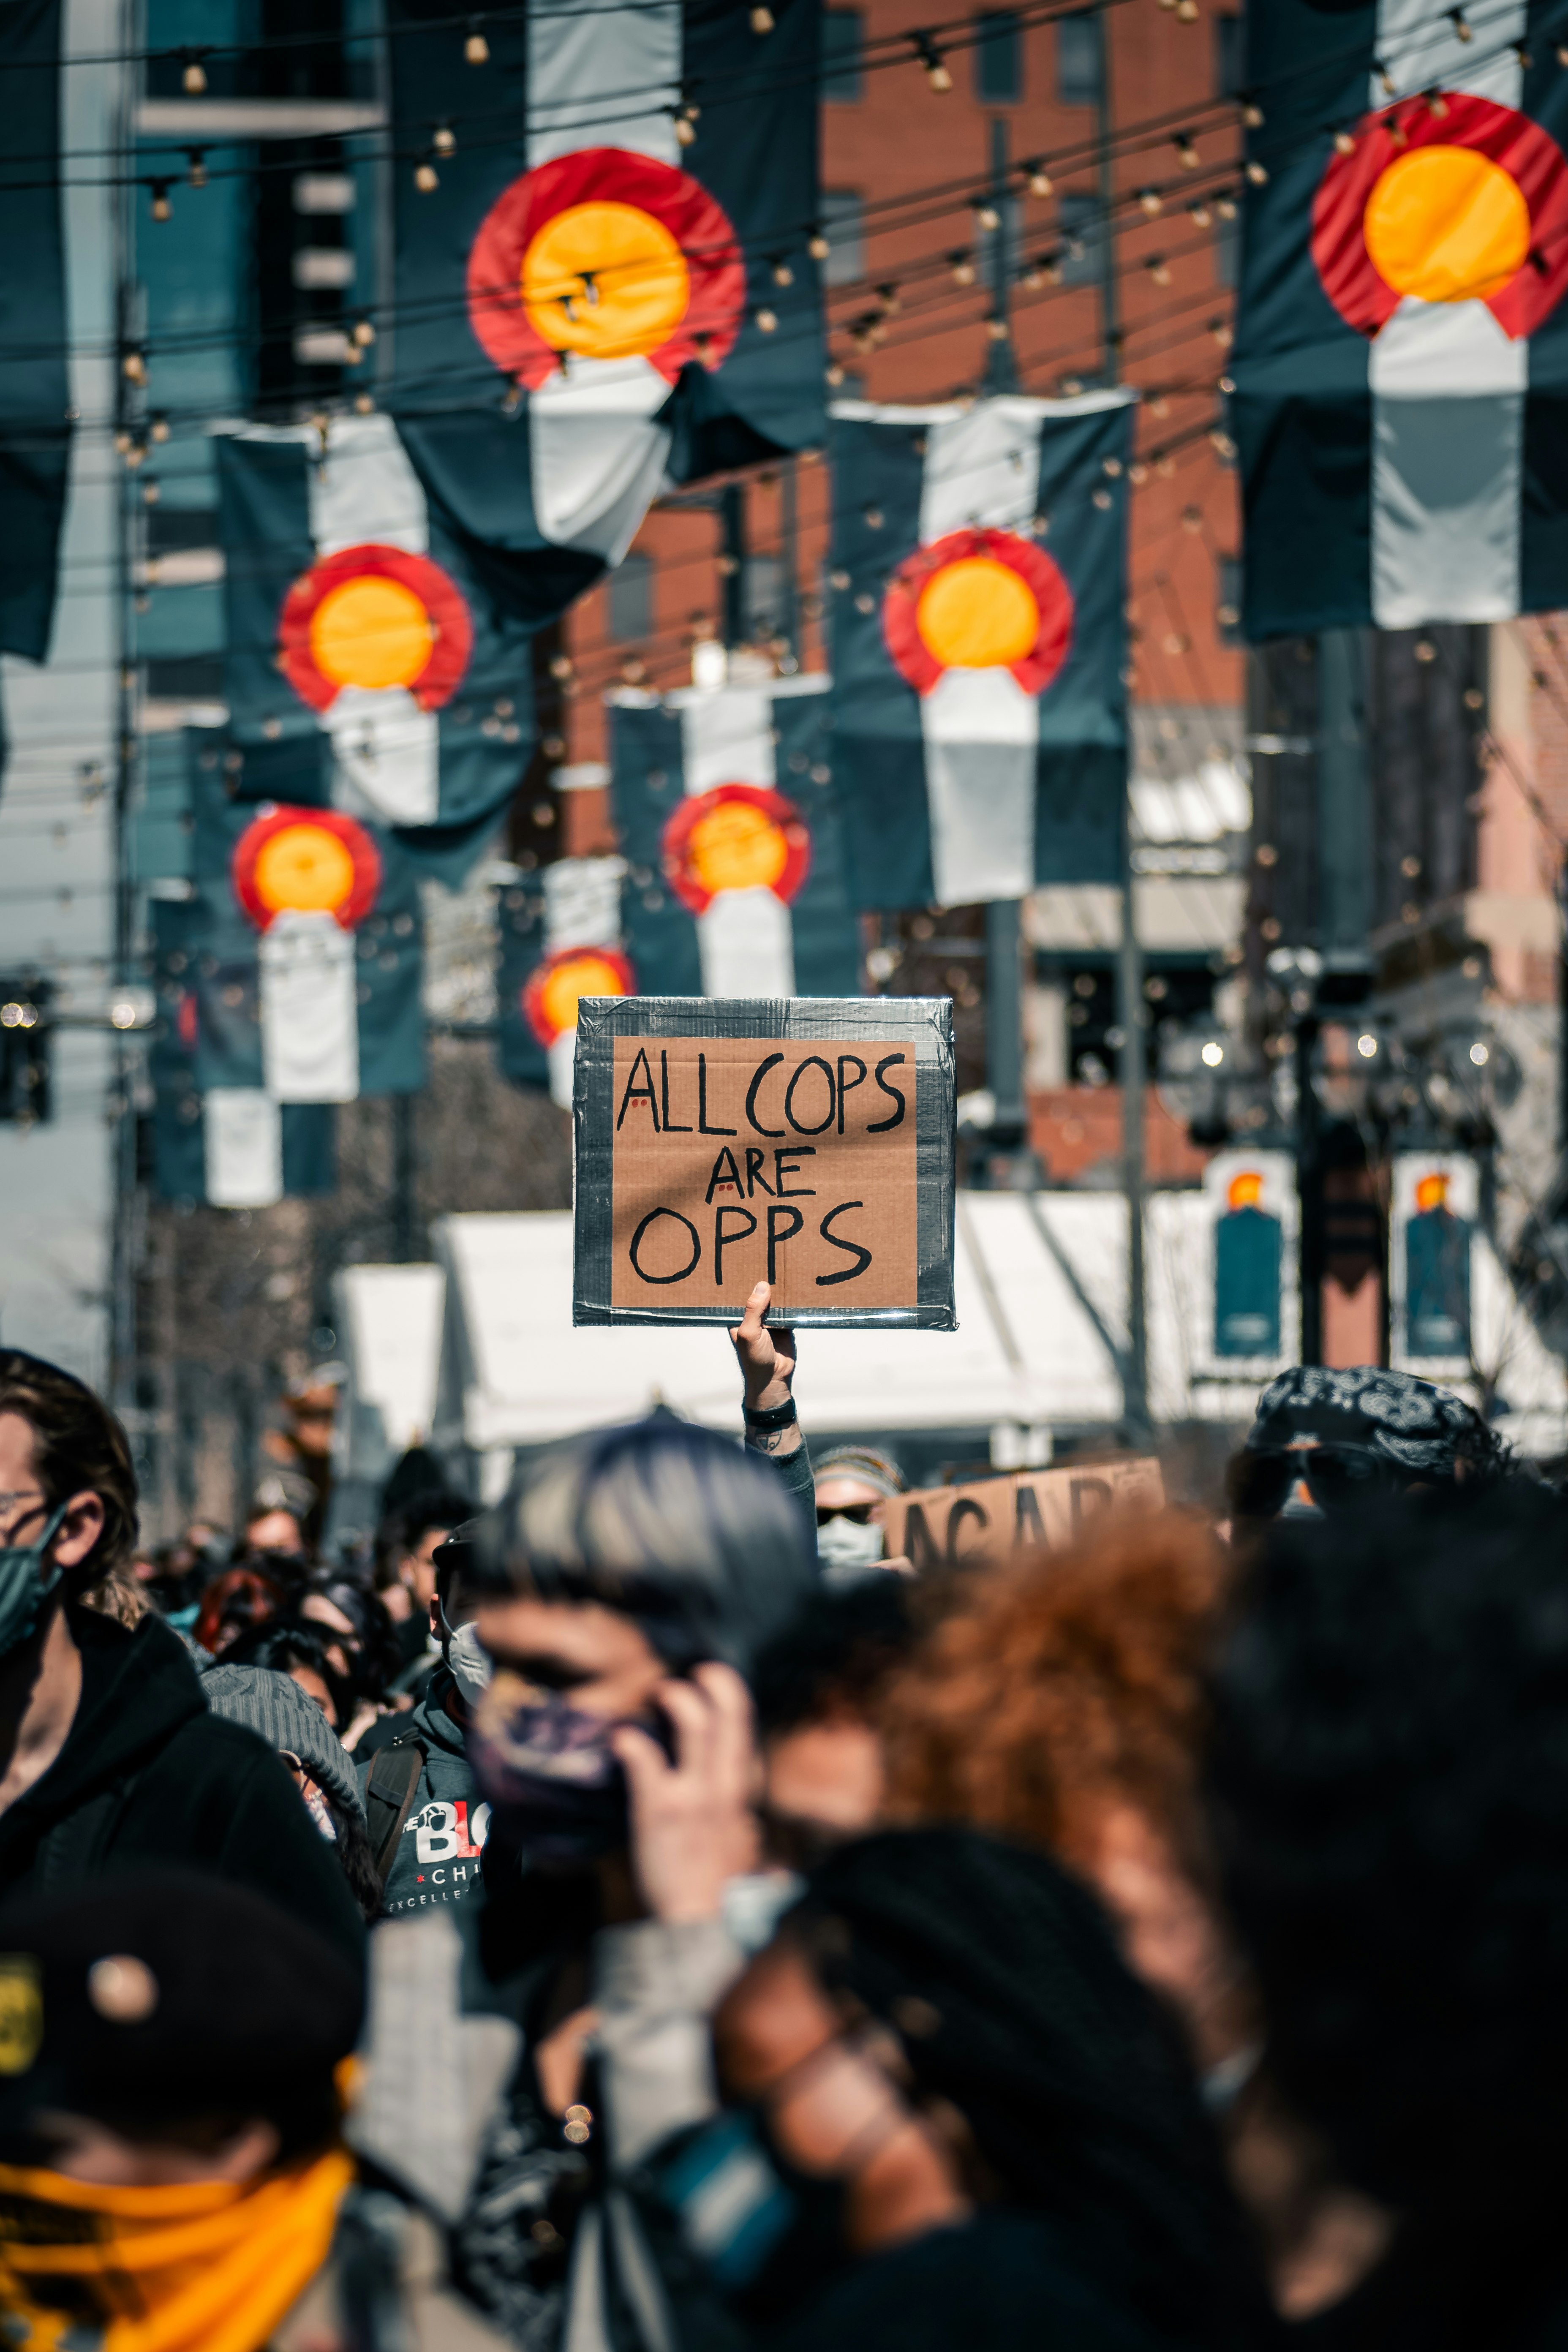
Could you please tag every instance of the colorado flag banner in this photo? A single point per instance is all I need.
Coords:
(1401, 363)
(232, 1147)
(382, 658)
(979, 723)
(735, 878)
(619, 248)
(309, 984)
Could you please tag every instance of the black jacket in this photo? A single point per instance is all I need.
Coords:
(147, 1775)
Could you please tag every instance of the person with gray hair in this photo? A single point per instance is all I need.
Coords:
(623, 1589)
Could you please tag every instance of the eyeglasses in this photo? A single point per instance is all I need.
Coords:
(1338, 1479)
(860, 1513)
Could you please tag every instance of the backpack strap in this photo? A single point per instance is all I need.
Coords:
(396, 1772)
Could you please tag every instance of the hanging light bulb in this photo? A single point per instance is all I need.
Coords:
(364, 333)
(1522, 54)
(1159, 269)
(1257, 173)
(762, 21)
(1151, 201)
(197, 177)
(1220, 328)
(1225, 207)
(1186, 12)
(135, 454)
(1251, 114)
(1385, 79)
(1438, 105)
(783, 274)
(426, 178)
(988, 216)
(1200, 215)
(159, 426)
(997, 328)
(150, 494)
(835, 374)
(1344, 143)
(133, 368)
(1186, 152)
(930, 59)
(365, 404)
(890, 300)
(1039, 179)
(476, 49)
(1463, 31)
(963, 268)
(767, 322)
(443, 143)
(194, 81)
(816, 245)
(686, 124)
(162, 208)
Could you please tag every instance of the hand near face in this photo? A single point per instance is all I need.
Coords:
(692, 1822)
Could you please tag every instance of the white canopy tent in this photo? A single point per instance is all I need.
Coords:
(389, 1337)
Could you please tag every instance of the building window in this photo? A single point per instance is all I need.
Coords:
(631, 599)
(1227, 611)
(843, 49)
(843, 226)
(1079, 219)
(1229, 55)
(762, 600)
(1078, 60)
(999, 59)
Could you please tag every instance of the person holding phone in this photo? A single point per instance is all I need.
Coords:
(622, 1591)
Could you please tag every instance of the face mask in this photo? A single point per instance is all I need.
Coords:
(471, 1663)
(845, 1544)
(26, 1583)
(769, 2234)
(547, 1769)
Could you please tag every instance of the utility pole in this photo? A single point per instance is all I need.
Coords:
(125, 1237)
(404, 1214)
(1004, 916)
(1129, 1011)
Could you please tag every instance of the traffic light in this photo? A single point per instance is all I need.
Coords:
(25, 1032)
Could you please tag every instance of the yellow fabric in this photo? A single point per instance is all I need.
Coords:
(1447, 225)
(210, 2267)
(605, 279)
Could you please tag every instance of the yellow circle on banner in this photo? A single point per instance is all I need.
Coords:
(737, 846)
(977, 613)
(605, 279)
(371, 632)
(304, 871)
(585, 975)
(1446, 225)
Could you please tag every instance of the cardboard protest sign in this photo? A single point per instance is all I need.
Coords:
(943, 1527)
(806, 1141)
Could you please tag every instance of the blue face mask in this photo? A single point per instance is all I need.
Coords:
(26, 1583)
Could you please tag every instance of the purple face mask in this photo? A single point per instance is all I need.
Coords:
(556, 1790)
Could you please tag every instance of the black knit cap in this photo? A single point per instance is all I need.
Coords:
(152, 1997)
(1000, 1976)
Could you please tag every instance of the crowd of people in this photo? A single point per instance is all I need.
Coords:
(639, 1917)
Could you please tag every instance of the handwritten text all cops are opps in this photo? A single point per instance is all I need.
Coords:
(742, 1158)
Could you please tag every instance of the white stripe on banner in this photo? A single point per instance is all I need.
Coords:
(1447, 385)
(386, 749)
(597, 456)
(242, 1136)
(582, 909)
(577, 51)
(982, 731)
(746, 938)
(309, 1009)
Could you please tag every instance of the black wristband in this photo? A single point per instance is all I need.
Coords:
(778, 1416)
